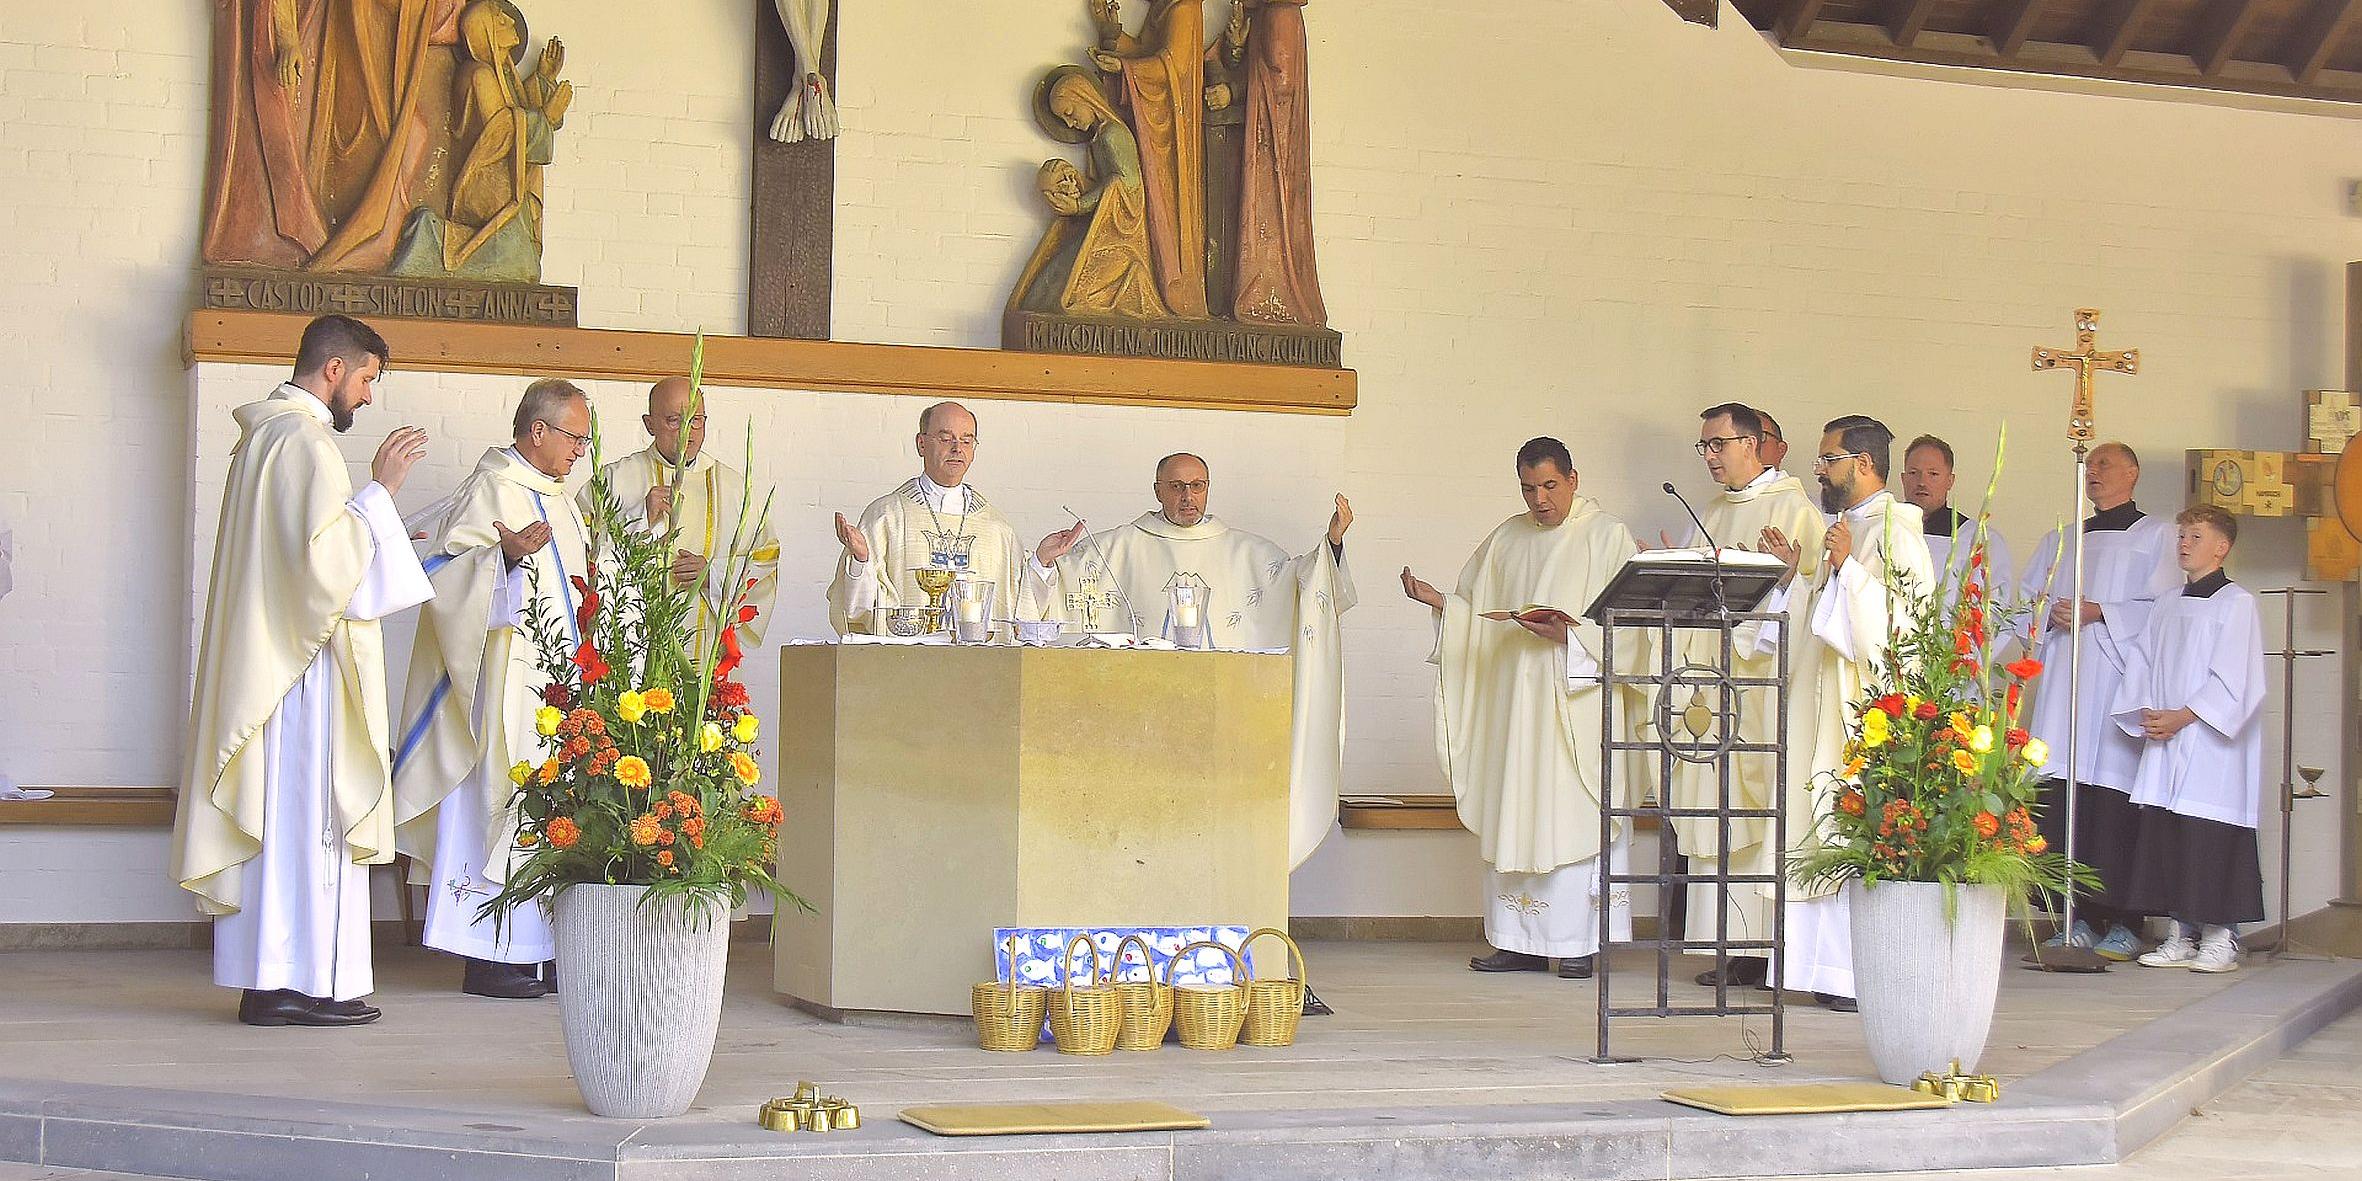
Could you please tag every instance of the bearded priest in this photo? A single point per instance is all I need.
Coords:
(287, 799)
(704, 500)
(1518, 717)
(510, 539)
(1256, 597)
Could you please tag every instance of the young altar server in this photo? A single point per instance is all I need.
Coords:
(2193, 695)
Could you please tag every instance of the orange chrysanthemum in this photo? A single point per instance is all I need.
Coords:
(563, 832)
(645, 829)
(657, 701)
(664, 857)
(549, 772)
(1987, 824)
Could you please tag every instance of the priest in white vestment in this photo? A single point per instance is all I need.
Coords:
(511, 537)
(2193, 694)
(1518, 718)
(935, 520)
(1750, 498)
(287, 798)
(2128, 568)
(703, 501)
(1928, 479)
(1875, 566)
(1256, 597)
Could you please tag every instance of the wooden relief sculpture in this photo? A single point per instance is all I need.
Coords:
(1215, 141)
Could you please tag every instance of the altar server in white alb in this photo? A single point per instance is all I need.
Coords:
(935, 520)
(1951, 534)
(1750, 497)
(1875, 568)
(702, 500)
(2193, 695)
(287, 798)
(2128, 568)
(1518, 717)
(1250, 594)
(510, 537)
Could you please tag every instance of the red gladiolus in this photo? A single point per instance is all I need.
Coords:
(1926, 712)
(2017, 738)
(1891, 705)
(1976, 557)
(2023, 670)
(594, 666)
(588, 608)
(728, 661)
(2011, 704)
(1973, 590)
(747, 614)
(1963, 643)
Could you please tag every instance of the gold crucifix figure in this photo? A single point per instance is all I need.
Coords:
(2086, 359)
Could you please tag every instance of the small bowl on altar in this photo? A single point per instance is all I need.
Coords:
(1038, 633)
(906, 621)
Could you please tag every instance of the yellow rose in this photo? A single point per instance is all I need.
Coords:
(2037, 752)
(520, 773)
(546, 719)
(1980, 739)
(1966, 762)
(709, 737)
(743, 766)
(631, 707)
(746, 729)
(657, 701)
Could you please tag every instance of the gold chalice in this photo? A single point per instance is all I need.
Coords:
(935, 580)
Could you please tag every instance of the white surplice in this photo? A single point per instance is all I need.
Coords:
(2203, 652)
(303, 916)
(2129, 566)
(1950, 555)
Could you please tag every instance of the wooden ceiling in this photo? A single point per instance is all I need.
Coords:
(2294, 48)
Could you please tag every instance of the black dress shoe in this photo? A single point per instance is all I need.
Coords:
(351, 1008)
(1316, 1007)
(549, 975)
(508, 982)
(287, 1007)
(1578, 968)
(1740, 971)
(1508, 961)
(1836, 1004)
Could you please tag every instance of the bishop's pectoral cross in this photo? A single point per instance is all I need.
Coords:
(1091, 595)
(2086, 359)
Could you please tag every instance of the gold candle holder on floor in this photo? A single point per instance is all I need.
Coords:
(1971, 1088)
(808, 1111)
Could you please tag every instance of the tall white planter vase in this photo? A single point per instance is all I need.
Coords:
(640, 997)
(1927, 982)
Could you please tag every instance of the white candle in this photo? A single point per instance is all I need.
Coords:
(1188, 615)
(970, 610)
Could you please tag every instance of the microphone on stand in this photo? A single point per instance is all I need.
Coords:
(1713, 549)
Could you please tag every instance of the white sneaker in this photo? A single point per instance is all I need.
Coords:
(2218, 952)
(2178, 952)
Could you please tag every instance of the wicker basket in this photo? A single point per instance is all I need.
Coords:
(1209, 1015)
(1084, 1020)
(1147, 1004)
(1008, 1017)
(1275, 1007)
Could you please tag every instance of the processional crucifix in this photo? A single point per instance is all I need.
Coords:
(2087, 361)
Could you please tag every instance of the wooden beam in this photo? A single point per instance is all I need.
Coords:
(1975, 51)
(2118, 26)
(2218, 34)
(1909, 20)
(2316, 37)
(2013, 24)
(1796, 20)
(105, 807)
(762, 363)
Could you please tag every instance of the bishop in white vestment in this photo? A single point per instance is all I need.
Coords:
(1255, 596)
(287, 798)
(704, 501)
(2128, 568)
(935, 520)
(511, 537)
(2193, 694)
(1875, 567)
(1518, 718)
(1750, 498)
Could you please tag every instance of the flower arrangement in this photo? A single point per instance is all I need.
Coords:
(1939, 783)
(649, 772)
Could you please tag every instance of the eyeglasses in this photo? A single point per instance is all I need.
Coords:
(1824, 462)
(581, 442)
(1193, 487)
(672, 422)
(1715, 445)
(947, 439)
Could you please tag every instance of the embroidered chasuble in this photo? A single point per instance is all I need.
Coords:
(474, 685)
(1518, 738)
(908, 531)
(2129, 566)
(1737, 517)
(705, 510)
(1854, 613)
(286, 791)
(1260, 598)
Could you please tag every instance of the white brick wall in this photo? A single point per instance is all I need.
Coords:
(1583, 219)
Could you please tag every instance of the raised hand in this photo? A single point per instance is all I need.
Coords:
(523, 543)
(856, 545)
(660, 503)
(1839, 543)
(401, 449)
(1419, 591)
(1058, 545)
(1340, 520)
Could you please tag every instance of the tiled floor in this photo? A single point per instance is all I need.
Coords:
(1414, 1028)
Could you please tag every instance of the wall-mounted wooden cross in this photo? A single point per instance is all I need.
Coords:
(2086, 359)
(791, 247)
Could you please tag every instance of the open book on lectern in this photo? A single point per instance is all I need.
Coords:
(1682, 582)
